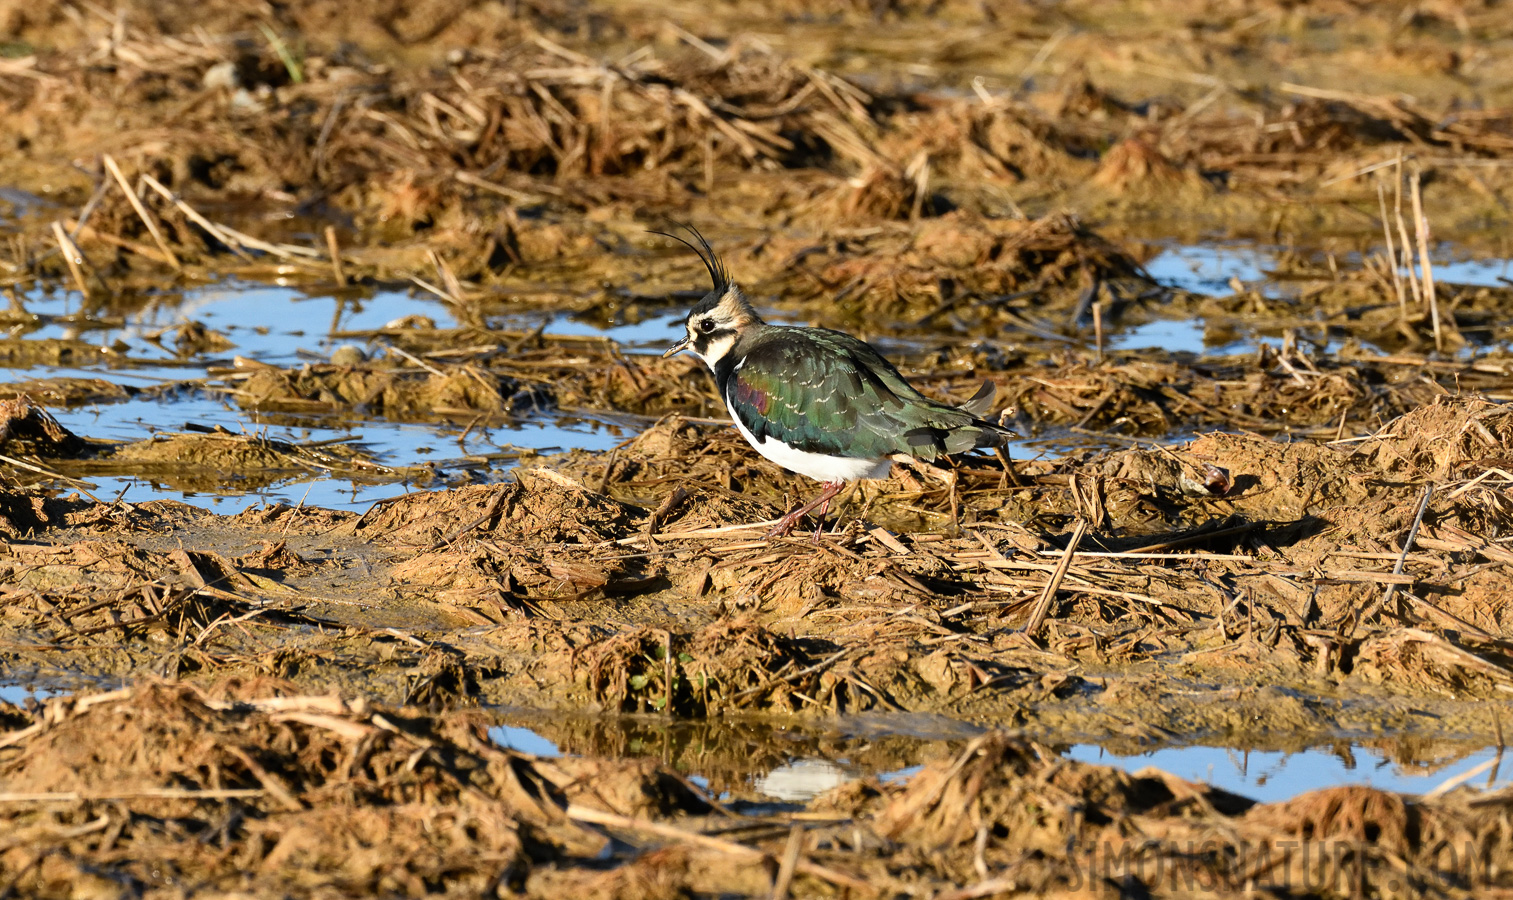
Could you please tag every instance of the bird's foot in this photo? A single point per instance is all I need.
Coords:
(786, 523)
(822, 502)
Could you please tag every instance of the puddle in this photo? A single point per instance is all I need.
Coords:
(513, 737)
(1208, 268)
(1172, 335)
(282, 326)
(391, 443)
(269, 323)
(650, 335)
(23, 695)
(781, 763)
(1271, 776)
(1213, 269)
(1479, 272)
(803, 779)
(20, 688)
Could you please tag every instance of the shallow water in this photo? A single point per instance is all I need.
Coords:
(1266, 775)
(1275, 775)
(283, 326)
(309, 328)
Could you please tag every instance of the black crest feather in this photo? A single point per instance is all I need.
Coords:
(717, 271)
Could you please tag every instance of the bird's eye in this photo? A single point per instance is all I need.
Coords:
(706, 326)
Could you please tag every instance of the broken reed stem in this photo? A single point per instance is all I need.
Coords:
(1425, 267)
(1444, 787)
(72, 482)
(417, 361)
(72, 256)
(446, 276)
(142, 212)
(709, 842)
(1402, 559)
(489, 511)
(335, 250)
(667, 673)
(792, 676)
(1402, 231)
(143, 794)
(234, 240)
(790, 861)
(90, 206)
(431, 288)
(1098, 332)
(1397, 276)
(193, 215)
(1043, 605)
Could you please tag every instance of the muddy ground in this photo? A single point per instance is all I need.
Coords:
(1300, 538)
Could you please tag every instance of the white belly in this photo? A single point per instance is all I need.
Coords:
(816, 465)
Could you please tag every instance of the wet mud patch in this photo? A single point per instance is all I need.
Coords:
(67, 391)
(251, 783)
(662, 596)
(1051, 385)
(977, 274)
(540, 506)
(980, 201)
(282, 788)
(206, 458)
(402, 396)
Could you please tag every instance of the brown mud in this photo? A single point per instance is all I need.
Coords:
(250, 789)
(1256, 617)
(1298, 542)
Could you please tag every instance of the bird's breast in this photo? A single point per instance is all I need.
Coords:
(819, 466)
(752, 396)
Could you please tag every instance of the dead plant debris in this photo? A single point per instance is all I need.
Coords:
(301, 711)
(251, 786)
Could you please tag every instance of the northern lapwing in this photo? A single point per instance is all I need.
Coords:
(819, 402)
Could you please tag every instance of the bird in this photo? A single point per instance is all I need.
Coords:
(819, 402)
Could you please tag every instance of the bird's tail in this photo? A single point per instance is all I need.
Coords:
(981, 403)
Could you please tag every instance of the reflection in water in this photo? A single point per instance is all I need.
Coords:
(513, 737)
(24, 695)
(795, 763)
(279, 326)
(802, 779)
(1208, 268)
(1271, 775)
(285, 327)
(741, 757)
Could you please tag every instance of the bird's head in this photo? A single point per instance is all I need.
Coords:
(715, 323)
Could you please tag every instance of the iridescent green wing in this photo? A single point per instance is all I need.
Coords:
(825, 392)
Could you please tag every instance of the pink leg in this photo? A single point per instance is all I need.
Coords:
(824, 511)
(786, 523)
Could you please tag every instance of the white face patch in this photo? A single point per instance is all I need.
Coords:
(717, 349)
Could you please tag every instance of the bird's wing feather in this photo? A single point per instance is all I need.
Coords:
(826, 392)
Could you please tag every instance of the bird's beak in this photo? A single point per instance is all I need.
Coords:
(677, 348)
